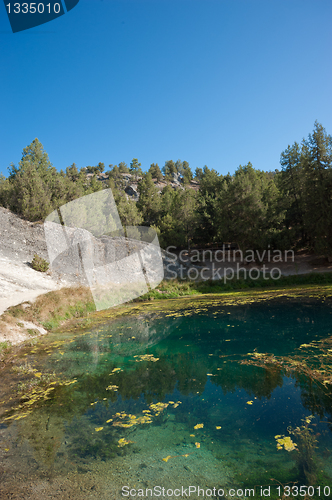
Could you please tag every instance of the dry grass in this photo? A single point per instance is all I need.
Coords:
(52, 309)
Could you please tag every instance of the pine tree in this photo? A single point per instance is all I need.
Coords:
(247, 209)
(155, 172)
(31, 182)
(208, 195)
(291, 182)
(169, 169)
(186, 173)
(123, 168)
(135, 168)
(127, 209)
(317, 166)
(149, 199)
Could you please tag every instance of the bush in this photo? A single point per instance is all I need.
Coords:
(5, 347)
(39, 264)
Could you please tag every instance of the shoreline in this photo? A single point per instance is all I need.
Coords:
(73, 307)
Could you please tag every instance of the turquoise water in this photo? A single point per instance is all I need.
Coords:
(173, 399)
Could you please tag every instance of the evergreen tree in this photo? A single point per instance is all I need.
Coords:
(6, 191)
(123, 168)
(185, 213)
(116, 176)
(169, 169)
(208, 200)
(31, 182)
(247, 209)
(135, 168)
(199, 173)
(186, 173)
(317, 166)
(291, 182)
(35, 188)
(155, 172)
(127, 209)
(167, 222)
(99, 169)
(149, 199)
(178, 217)
(72, 173)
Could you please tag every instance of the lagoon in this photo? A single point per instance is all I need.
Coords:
(207, 393)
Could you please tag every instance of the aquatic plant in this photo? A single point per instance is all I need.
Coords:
(306, 445)
(26, 368)
(313, 360)
(285, 442)
(104, 443)
(304, 449)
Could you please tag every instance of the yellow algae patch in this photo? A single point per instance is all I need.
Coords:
(110, 420)
(69, 383)
(145, 357)
(97, 429)
(132, 420)
(285, 442)
(167, 458)
(198, 445)
(198, 426)
(158, 407)
(38, 374)
(122, 442)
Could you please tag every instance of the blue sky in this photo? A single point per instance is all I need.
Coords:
(212, 82)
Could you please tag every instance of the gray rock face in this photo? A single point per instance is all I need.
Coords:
(20, 239)
(131, 190)
(177, 177)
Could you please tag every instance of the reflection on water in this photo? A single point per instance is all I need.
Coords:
(169, 400)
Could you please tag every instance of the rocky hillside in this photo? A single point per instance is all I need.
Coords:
(131, 183)
(20, 240)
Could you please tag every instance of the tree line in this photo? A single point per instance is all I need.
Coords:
(287, 208)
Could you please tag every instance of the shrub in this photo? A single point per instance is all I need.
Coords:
(5, 346)
(39, 264)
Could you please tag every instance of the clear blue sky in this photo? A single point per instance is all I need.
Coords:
(215, 82)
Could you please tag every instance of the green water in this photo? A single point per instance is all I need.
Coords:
(135, 388)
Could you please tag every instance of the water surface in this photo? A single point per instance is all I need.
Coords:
(174, 399)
